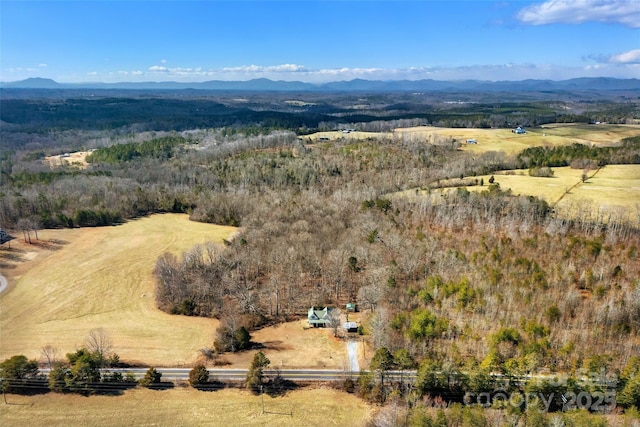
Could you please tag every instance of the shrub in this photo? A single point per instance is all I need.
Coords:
(254, 376)
(152, 377)
(229, 339)
(198, 376)
(553, 313)
(541, 172)
(15, 372)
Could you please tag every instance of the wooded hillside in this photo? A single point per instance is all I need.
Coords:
(466, 279)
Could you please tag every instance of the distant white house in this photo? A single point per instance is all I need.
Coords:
(471, 141)
(519, 130)
(350, 326)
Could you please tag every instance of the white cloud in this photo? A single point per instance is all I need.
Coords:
(630, 57)
(622, 65)
(626, 12)
(158, 68)
(355, 71)
(290, 68)
(43, 65)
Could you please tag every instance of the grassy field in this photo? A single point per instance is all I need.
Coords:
(186, 406)
(71, 281)
(78, 158)
(337, 135)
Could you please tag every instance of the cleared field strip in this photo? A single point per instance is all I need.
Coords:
(102, 277)
(189, 407)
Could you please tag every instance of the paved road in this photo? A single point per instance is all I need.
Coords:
(240, 374)
(302, 375)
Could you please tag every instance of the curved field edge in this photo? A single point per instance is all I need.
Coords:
(186, 406)
(102, 277)
(612, 192)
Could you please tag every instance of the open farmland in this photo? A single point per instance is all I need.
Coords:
(186, 406)
(498, 139)
(510, 143)
(80, 279)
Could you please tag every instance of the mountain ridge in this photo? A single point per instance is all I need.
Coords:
(355, 85)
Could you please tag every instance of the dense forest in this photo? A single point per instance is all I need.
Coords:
(463, 281)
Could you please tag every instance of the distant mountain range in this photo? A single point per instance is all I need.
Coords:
(427, 85)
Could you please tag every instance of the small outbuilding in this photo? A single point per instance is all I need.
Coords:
(350, 326)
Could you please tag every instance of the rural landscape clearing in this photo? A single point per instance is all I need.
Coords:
(342, 213)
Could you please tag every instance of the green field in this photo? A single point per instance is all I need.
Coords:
(187, 407)
(102, 277)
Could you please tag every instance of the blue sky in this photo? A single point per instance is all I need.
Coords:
(318, 41)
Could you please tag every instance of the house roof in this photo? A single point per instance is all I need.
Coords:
(315, 315)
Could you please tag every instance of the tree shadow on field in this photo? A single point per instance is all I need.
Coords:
(108, 388)
(273, 345)
(11, 255)
(212, 385)
(279, 386)
(50, 245)
(28, 387)
(161, 386)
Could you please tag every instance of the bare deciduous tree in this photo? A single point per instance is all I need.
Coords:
(334, 320)
(50, 354)
(99, 342)
(24, 225)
